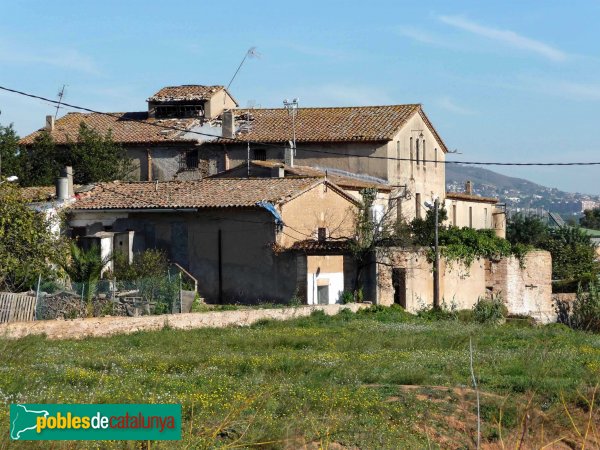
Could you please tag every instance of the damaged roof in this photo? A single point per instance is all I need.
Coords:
(206, 193)
(185, 92)
(126, 128)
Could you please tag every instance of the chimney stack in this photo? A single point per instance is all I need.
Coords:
(289, 155)
(49, 123)
(469, 187)
(64, 184)
(228, 124)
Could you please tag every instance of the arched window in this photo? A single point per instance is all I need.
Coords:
(418, 154)
(412, 156)
(435, 157)
(424, 154)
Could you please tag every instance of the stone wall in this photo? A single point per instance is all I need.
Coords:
(107, 326)
(525, 287)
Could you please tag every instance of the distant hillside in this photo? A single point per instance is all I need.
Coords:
(517, 193)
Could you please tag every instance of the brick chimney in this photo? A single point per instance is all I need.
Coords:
(469, 187)
(228, 124)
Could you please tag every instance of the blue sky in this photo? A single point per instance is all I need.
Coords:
(506, 81)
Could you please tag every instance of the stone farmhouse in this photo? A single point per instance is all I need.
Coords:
(221, 189)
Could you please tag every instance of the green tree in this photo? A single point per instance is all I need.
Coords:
(27, 244)
(591, 219)
(573, 256)
(527, 230)
(41, 163)
(10, 159)
(94, 158)
(84, 267)
(97, 158)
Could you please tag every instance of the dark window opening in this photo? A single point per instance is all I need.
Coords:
(179, 111)
(399, 284)
(77, 232)
(260, 154)
(191, 160)
(322, 234)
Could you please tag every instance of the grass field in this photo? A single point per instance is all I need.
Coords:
(372, 380)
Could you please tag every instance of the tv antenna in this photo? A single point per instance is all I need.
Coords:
(251, 53)
(60, 96)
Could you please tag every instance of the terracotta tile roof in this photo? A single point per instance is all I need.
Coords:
(185, 92)
(470, 197)
(206, 193)
(358, 123)
(127, 128)
(315, 246)
(42, 193)
(341, 180)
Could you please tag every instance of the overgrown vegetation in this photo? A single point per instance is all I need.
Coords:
(573, 252)
(491, 311)
(584, 312)
(380, 378)
(93, 156)
(27, 244)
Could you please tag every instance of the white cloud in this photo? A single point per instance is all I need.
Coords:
(448, 104)
(423, 37)
(508, 37)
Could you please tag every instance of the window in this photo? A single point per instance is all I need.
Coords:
(322, 234)
(260, 154)
(179, 111)
(191, 159)
(435, 151)
(454, 216)
(418, 154)
(418, 205)
(424, 154)
(485, 219)
(399, 209)
(470, 217)
(323, 295)
(412, 156)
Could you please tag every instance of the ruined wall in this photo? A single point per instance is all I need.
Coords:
(527, 289)
(460, 286)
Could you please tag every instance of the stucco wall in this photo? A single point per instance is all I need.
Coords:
(250, 270)
(321, 206)
(459, 286)
(426, 179)
(525, 289)
(475, 214)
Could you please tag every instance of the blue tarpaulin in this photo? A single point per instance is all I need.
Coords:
(271, 208)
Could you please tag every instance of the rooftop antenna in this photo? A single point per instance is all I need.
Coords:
(251, 53)
(60, 96)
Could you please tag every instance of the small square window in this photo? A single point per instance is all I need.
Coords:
(322, 234)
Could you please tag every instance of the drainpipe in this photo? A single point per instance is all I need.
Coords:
(220, 244)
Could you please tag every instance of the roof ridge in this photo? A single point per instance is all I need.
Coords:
(335, 107)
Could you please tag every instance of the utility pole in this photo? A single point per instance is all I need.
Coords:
(292, 108)
(436, 262)
(60, 96)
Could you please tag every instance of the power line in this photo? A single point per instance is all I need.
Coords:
(268, 144)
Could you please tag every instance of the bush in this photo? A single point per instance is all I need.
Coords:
(442, 313)
(346, 297)
(585, 311)
(490, 311)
